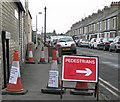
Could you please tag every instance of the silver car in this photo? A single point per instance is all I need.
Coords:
(115, 45)
(91, 43)
(83, 43)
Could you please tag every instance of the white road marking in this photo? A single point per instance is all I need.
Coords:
(109, 84)
(109, 90)
(116, 89)
(110, 64)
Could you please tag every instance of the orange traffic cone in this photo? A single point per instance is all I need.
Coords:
(53, 85)
(15, 86)
(58, 59)
(81, 88)
(30, 57)
(42, 59)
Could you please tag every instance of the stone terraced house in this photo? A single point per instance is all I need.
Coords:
(13, 35)
(104, 23)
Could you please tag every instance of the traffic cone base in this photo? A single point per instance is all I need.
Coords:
(27, 62)
(15, 87)
(42, 61)
(81, 88)
(52, 90)
(6, 92)
(81, 92)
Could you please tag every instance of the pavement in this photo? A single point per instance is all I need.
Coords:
(34, 77)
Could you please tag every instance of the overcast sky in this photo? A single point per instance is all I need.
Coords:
(61, 14)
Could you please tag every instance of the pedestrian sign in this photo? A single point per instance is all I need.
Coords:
(80, 68)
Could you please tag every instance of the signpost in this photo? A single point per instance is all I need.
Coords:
(80, 69)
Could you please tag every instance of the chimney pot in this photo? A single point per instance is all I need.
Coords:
(114, 3)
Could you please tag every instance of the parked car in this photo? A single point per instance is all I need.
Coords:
(53, 40)
(67, 45)
(83, 42)
(98, 41)
(115, 45)
(91, 43)
(105, 44)
(78, 41)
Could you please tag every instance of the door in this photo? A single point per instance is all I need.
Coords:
(5, 48)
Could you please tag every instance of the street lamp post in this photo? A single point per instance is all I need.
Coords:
(36, 28)
(45, 27)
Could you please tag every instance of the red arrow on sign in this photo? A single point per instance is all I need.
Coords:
(87, 71)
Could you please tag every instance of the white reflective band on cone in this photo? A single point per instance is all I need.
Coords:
(54, 65)
(30, 54)
(42, 55)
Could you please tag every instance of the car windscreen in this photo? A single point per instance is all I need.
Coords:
(65, 39)
(85, 40)
(107, 39)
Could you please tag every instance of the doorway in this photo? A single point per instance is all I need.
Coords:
(5, 48)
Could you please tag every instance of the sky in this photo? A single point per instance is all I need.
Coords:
(61, 14)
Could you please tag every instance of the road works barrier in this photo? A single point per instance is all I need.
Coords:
(30, 57)
(53, 86)
(14, 87)
(42, 58)
(83, 70)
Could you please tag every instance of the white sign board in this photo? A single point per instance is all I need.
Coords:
(7, 35)
(53, 79)
(14, 73)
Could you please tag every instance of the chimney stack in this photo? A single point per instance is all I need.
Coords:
(106, 8)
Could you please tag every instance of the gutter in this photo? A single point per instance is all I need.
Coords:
(20, 4)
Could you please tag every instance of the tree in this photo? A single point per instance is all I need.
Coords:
(54, 32)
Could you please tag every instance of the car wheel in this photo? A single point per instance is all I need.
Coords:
(75, 52)
(104, 48)
(98, 48)
(116, 50)
(110, 49)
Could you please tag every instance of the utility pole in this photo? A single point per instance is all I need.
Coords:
(37, 28)
(45, 27)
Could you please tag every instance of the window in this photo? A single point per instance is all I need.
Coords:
(112, 34)
(94, 28)
(105, 25)
(114, 22)
(108, 24)
(100, 25)
(97, 26)
(79, 30)
(16, 14)
(85, 31)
